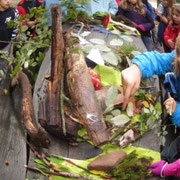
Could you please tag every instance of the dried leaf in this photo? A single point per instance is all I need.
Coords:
(98, 41)
(102, 48)
(119, 99)
(116, 42)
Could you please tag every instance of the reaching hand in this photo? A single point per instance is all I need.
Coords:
(131, 78)
(170, 104)
(157, 167)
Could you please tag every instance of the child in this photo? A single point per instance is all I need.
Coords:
(6, 34)
(6, 14)
(24, 8)
(109, 6)
(163, 16)
(136, 11)
(173, 29)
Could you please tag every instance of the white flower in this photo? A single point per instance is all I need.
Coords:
(26, 64)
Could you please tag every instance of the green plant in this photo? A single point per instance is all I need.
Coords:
(73, 12)
(29, 47)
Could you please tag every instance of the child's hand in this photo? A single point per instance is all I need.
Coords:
(171, 43)
(170, 105)
(164, 19)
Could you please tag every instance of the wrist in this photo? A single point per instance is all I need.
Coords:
(133, 64)
(169, 170)
(162, 170)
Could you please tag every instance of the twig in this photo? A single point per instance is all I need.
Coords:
(74, 119)
(62, 103)
(56, 170)
(58, 173)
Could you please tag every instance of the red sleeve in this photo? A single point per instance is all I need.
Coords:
(167, 35)
(21, 10)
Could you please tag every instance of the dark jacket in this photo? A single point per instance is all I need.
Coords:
(161, 26)
(6, 34)
(145, 20)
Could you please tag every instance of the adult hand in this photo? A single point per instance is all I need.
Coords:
(171, 43)
(131, 78)
(170, 104)
(157, 167)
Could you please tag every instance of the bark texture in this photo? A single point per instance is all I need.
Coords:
(82, 91)
(38, 135)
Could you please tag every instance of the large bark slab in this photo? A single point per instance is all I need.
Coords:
(82, 92)
(50, 110)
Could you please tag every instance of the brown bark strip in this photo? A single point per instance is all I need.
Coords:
(82, 91)
(57, 54)
(38, 135)
(50, 116)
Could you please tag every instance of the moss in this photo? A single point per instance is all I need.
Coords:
(132, 167)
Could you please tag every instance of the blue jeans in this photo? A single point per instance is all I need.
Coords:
(147, 42)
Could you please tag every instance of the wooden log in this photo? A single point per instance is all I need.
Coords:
(38, 135)
(82, 91)
(50, 111)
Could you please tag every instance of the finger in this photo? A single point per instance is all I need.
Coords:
(127, 95)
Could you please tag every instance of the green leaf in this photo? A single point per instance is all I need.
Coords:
(158, 108)
(120, 120)
(130, 109)
(116, 42)
(116, 112)
(111, 58)
(111, 95)
(24, 28)
(108, 118)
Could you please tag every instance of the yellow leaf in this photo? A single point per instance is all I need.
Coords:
(146, 104)
(5, 91)
(102, 173)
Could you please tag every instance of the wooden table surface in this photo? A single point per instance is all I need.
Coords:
(13, 138)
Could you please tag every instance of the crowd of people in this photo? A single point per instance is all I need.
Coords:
(143, 16)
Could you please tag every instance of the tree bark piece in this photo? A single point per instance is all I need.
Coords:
(38, 135)
(107, 161)
(82, 91)
(50, 115)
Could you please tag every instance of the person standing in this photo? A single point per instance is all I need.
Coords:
(140, 16)
(173, 29)
(6, 14)
(24, 8)
(163, 17)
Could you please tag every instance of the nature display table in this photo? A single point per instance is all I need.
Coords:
(14, 153)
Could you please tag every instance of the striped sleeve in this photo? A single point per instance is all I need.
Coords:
(15, 31)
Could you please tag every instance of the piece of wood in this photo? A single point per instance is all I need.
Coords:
(38, 135)
(82, 92)
(13, 153)
(50, 109)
